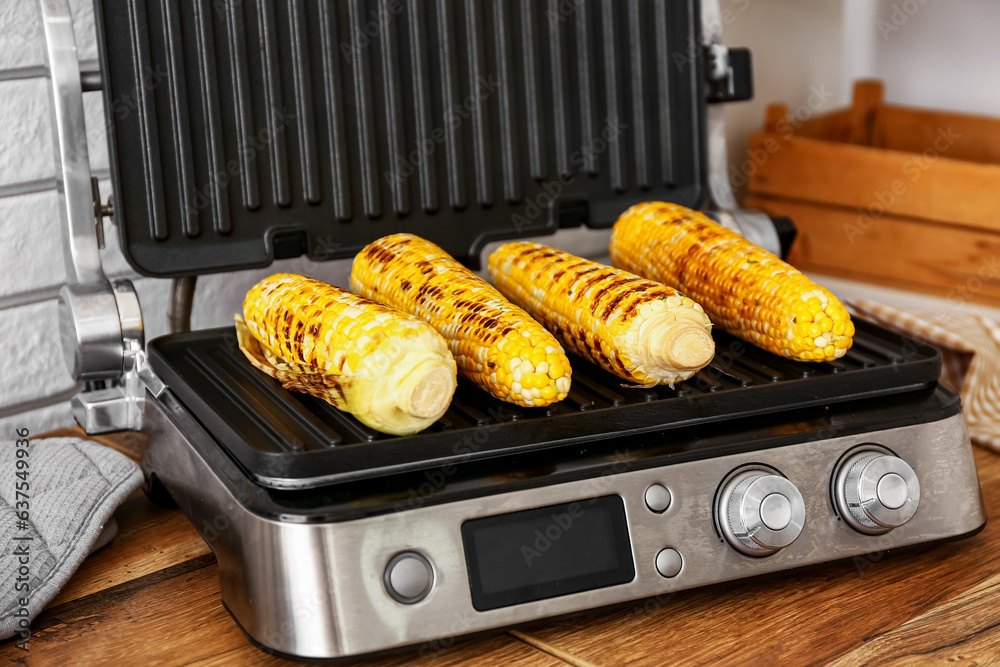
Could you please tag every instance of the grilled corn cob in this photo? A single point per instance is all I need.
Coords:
(496, 344)
(390, 370)
(635, 328)
(745, 289)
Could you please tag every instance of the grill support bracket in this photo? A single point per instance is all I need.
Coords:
(100, 321)
(756, 226)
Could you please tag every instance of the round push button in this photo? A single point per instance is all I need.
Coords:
(892, 491)
(408, 578)
(669, 562)
(776, 511)
(658, 498)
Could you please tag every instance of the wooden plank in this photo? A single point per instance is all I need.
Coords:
(928, 638)
(903, 184)
(806, 616)
(776, 118)
(869, 95)
(833, 126)
(955, 262)
(977, 138)
(176, 617)
(498, 650)
(570, 658)
(131, 444)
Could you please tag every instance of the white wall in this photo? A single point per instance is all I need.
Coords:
(940, 54)
(797, 48)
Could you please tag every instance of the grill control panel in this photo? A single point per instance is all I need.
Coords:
(759, 511)
(495, 560)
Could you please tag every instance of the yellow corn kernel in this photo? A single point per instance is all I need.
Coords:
(746, 290)
(640, 330)
(390, 370)
(493, 340)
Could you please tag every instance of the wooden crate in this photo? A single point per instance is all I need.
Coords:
(903, 197)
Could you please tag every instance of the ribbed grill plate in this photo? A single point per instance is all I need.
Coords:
(289, 439)
(248, 130)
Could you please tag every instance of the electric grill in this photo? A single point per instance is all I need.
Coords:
(242, 132)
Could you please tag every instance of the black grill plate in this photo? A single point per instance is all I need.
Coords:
(242, 131)
(290, 440)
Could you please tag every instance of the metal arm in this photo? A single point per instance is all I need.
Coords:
(83, 261)
(100, 323)
(754, 225)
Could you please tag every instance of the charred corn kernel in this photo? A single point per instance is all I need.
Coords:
(745, 289)
(390, 370)
(497, 345)
(635, 328)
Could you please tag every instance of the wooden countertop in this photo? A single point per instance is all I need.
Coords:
(152, 597)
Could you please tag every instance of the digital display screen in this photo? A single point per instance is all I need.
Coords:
(547, 552)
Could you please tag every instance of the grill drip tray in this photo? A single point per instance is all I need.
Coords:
(290, 440)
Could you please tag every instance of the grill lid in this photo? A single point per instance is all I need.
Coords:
(242, 131)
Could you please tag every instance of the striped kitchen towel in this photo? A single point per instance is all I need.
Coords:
(970, 345)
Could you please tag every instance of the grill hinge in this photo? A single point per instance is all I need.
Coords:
(728, 79)
(118, 406)
(100, 211)
(729, 73)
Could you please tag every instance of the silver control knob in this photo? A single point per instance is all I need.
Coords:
(876, 492)
(760, 512)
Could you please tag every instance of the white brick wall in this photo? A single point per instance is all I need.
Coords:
(34, 384)
(31, 361)
(26, 131)
(21, 43)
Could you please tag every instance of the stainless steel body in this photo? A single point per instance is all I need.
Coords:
(319, 590)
